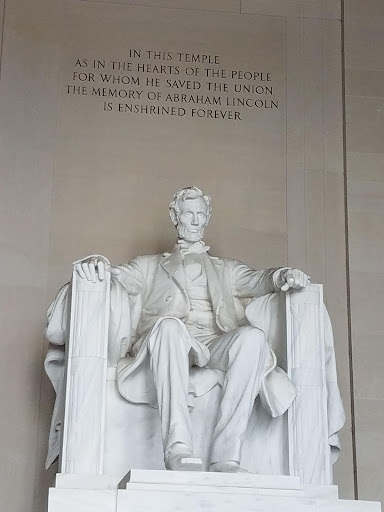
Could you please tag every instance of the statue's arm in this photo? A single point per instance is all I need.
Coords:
(130, 275)
(248, 282)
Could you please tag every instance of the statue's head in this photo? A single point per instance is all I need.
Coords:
(190, 212)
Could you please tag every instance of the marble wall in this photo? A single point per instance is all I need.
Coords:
(27, 113)
(364, 88)
(71, 185)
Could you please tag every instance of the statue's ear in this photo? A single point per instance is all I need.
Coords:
(173, 216)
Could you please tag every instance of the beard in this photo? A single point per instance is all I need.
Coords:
(190, 234)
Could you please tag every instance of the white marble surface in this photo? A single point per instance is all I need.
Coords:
(90, 482)
(225, 492)
(208, 489)
(330, 492)
(238, 480)
(171, 491)
(165, 501)
(82, 500)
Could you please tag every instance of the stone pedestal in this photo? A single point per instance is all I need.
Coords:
(167, 491)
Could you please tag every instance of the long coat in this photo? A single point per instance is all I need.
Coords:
(156, 286)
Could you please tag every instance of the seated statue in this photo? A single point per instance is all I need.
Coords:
(187, 309)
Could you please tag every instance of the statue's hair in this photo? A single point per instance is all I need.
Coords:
(184, 194)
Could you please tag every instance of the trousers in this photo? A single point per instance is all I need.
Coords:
(241, 354)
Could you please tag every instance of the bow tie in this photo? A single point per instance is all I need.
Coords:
(196, 248)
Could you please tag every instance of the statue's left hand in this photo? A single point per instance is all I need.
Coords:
(293, 278)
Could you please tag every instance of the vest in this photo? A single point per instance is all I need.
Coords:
(201, 320)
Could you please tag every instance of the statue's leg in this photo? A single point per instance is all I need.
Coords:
(242, 355)
(169, 346)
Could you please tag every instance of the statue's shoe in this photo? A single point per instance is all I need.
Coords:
(227, 466)
(184, 462)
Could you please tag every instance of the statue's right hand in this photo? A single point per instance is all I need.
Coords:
(94, 267)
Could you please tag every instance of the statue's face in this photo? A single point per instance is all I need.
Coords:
(192, 219)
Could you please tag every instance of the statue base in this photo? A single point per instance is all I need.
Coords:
(165, 491)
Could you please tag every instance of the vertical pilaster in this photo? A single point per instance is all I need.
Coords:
(309, 452)
(83, 436)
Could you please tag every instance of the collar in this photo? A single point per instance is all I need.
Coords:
(188, 248)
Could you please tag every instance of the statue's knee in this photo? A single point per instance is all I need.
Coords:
(251, 339)
(168, 332)
(249, 332)
(170, 324)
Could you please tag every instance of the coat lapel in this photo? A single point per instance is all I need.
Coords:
(221, 294)
(215, 270)
(215, 276)
(173, 264)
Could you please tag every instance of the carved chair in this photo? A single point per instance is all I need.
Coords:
(103, 434)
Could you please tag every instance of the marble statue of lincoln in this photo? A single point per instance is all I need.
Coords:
(187, 309)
